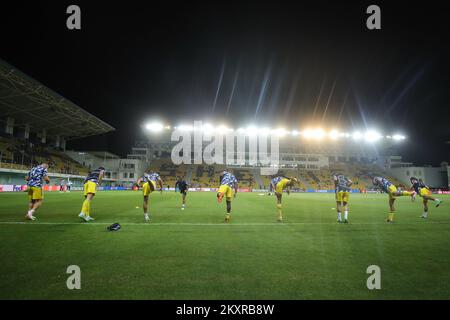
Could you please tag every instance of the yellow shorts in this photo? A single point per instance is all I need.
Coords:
(424, 192)
(281, 185)
(227, 191)
(392, 190)
(147, 188)
(35, 193)
(342, 196)
(90, 187)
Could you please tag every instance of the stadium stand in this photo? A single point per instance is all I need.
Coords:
(36, 122)
(22, 155)
(199, 176)
(168, 171)
(207, 176)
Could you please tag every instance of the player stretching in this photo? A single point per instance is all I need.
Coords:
(422, 189)
(392, 191)
(279, 184)
(342, 188)
(228, 184)
(35, 192)
(183, 187)
(93, 179)
(150, 180)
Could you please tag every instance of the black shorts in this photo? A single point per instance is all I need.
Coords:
(183, 191)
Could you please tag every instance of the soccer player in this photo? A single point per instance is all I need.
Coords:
(68, 184)
(61, 185)
(93, 179)
(424, 191)
(150, 180)
(35, 193)
(392, 191)
(228, 184)
(279, 184)
(183, 187)
(342, 188)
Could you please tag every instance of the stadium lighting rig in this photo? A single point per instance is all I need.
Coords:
(372, 136)
(333, 134)
(314, 134)
(264, 131)
(357, 135)
(397, 137)
(252, 131)
(155, 127)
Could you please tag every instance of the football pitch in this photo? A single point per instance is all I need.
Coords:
(192, 254)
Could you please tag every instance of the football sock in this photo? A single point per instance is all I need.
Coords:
(339, 216)
(86, 207)
(391, 216)
(346, 215)
(280, 212)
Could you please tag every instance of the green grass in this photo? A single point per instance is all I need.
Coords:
(191, 254)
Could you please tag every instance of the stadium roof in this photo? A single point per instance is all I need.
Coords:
(31, 103)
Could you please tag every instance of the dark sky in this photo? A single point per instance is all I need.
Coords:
(319, 64)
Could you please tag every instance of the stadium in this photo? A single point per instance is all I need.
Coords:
(312, 156)
(276, 243)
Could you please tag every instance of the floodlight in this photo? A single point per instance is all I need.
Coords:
(314, 134)
(372, 136)
(252, 131)
(264, 131)
(334, 134)
(308, 133)
(357, 135)
(222, 128)
(207, 127)
(280, 132)
(185, 128)
(154, 127)
(398, 137)
(318, 134)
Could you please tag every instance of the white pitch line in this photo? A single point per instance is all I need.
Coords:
(209, 224)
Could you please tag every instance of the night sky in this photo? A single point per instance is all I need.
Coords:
(279, 63)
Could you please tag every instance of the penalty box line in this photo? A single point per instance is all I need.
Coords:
(208, 224)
